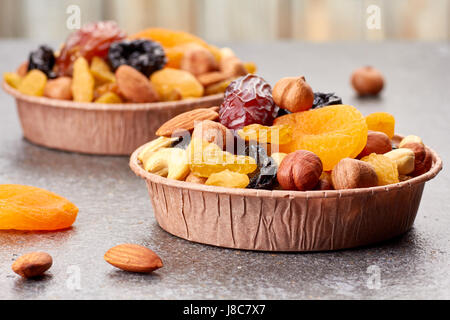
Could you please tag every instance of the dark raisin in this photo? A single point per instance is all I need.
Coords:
(283, 112)
(265, 176)
(184, 138)
(325, 99)
(144, 55)
(42, 59)
(248, 100)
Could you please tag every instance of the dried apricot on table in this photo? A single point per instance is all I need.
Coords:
(332, 133)
(31, 208)
(228, 179)
(170, 79)
(280, 134)
(207, 158)
(83, 82)
(385, 168)
(381, 121)
(12, 78)
(33, 83)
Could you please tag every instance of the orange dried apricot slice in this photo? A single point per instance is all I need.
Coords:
(172, 38)
(33, 83)
(31, 208)
(279, 134)
(83, 82)
(385, 168)
(169, 79)
(332, 133)
(381, 121)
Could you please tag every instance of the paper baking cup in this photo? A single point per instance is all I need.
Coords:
(284, 220)
(94, 128)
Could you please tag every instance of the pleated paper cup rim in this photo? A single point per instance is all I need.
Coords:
(68, 104)
(137, 168)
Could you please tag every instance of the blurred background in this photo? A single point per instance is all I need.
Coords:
(239, 20)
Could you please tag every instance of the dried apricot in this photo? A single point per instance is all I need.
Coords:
(83, 82)
(167, 79)
(381, 121)
(171, 38)
(101, 71)
(30, 208)
(280, 134)
(228, 179)
(12, 78)
(385, 168)
(207, 158)
(332, 133)
(33, 83)
(109, 97)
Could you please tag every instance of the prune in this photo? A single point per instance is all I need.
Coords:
(265, 176)
(325, 99)
(93, 39)
(248, 100)
(144, 55)
(42, 59)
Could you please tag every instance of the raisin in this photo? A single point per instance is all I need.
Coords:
(144, 55)
(265, 175)
(282, 112)
(248, 100)
(93, 39)
(42, 59)
(325, 99)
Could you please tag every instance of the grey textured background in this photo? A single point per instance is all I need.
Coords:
(114, 206)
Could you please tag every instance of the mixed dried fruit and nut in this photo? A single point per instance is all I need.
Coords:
(288, 138)
(99, 63)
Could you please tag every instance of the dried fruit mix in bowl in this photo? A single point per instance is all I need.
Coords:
(285, 138)
(172, 65)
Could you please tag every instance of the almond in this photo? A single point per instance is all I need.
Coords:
(133, 258)
(198, 60)
(186, 121)
(134, 86)
(32, 264)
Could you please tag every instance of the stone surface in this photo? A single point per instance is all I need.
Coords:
(115, 208)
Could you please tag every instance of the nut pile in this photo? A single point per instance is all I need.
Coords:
(287, 138)
(98, 63)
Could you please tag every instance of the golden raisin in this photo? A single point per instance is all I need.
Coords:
(83, 82)
(385, 168)
(109, 97)
(207, 158)
(332, 133)
(170, 79)
(101, 71)
(12, 78)
(33, 83)
(278, 134)
(228, 179)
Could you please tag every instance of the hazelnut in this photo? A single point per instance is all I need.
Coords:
(232, 67)
(367, 81)
(423, 159)
(213, 132)
(198, 61)
(377, 142)
(299, 170)
(60, 88)
(352, 173)
(404, 158)
(293, 94)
